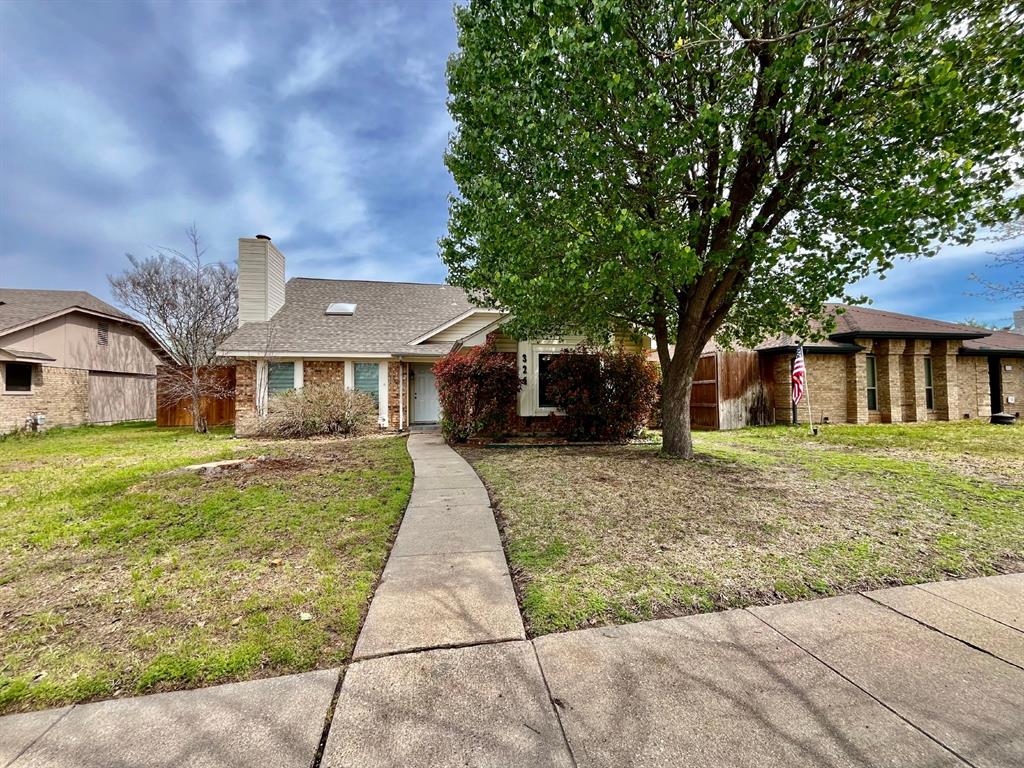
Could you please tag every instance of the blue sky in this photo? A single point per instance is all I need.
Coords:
(320, 124)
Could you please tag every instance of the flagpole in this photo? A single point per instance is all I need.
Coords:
(807, 395)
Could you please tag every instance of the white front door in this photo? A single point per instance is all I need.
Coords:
(425, 406)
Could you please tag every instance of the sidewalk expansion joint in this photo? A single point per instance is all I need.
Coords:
(863, 690)
(926, 625)
(328, 719)
(554, 706)
(965, 607)
(34, 741)
(442, 647)
(448, 552)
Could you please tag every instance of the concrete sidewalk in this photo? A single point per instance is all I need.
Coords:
(914, 676)
(446, 583)
(929, 675)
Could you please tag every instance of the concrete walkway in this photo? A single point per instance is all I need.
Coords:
(930, 675)
(446, 583)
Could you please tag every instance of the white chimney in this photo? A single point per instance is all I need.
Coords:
(260, 279)
(1018, 321)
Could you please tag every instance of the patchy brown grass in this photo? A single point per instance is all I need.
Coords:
(121, 573)
(614, 534)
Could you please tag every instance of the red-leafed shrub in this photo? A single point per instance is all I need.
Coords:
(576, 387)
(477, 389)
(604, 394)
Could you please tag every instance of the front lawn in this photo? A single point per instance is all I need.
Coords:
(122, 574)
(619, 533)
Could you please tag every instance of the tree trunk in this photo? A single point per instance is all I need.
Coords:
(675, 415)
(677, 386)
(198, 416)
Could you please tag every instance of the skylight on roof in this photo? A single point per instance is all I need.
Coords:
(340, 308)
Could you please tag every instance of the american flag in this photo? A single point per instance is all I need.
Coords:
(799, 377)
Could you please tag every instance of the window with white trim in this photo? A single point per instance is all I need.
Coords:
(280, 377)
(366, 377)
(544, 360)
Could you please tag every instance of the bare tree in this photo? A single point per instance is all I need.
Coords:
(192, 305)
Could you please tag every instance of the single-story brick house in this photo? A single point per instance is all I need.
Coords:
(379, 337)
(875, 367)
(72, 359)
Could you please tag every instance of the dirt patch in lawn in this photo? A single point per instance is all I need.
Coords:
(598, 535)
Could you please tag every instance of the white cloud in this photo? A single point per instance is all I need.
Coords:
(236, 131)
(315, 63)
(320, 162)
(74, 127)
(222, 61)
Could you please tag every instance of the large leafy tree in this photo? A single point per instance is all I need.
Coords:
(719, 167)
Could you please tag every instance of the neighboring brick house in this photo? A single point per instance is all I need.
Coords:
(379, 337)
(879, 366)
(67, 358)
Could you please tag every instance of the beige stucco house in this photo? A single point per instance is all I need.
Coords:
(379, 337)
(67, 358)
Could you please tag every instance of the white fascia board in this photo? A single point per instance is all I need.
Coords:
(259, 355)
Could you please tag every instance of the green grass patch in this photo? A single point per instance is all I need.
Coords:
(120, 573)
(618, 534)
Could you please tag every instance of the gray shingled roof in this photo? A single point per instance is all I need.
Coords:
(19, 306)
(388, 316)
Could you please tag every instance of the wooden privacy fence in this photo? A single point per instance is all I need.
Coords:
(219, 411)
(704, 396)
(731, 389)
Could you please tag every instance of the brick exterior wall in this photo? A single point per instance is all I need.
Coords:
(975, 394)
(398, 380)
(245, 397)
(826, 381)
(316, 372)
(1013, 384)
(838, 384)
(62, 394)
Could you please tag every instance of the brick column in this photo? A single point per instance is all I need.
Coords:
(890, 380)
(856, 387)
(944, 380)
(915, 405)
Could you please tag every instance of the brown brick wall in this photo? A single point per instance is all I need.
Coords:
(316, 372)
(62, 394)
(1013, 384)
(826, 382)
(975, 394)
(245, 397)
(396, 369)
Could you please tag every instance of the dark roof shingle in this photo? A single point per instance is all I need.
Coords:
(998, 341)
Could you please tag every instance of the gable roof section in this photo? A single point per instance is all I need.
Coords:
(1003, 343)
(387, 319)
(24, 307)
(20, 307)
